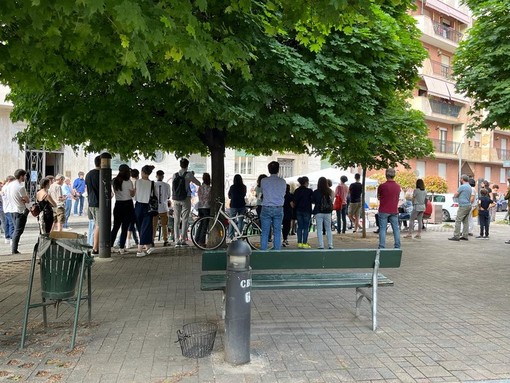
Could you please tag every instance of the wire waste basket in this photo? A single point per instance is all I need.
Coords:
(197, 339)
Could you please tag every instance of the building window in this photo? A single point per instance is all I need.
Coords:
(443, 137)
(286, 167)
(420, 168)
(243, 163)
(487, 173)
(502, 176)
(441, 170)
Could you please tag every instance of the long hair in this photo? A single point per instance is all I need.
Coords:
(122, 176)
(264, 176)
(206, 178)
(323, 187)
(420, 184)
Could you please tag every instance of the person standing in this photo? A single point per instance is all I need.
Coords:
(355, 192)
(143, 191)
(7, 224)
(494, 196)
(465, 198)
(123, 210)
(17, 197)
(46, 205)
(474, 206)
(92, 184)
(342, 190)
(258, 194)
(303, 206)
(204, 207)
(237, 195)
(67, 190)
(388, 194)
(181, 195)
(273, 192)
(484, 205)
(78, 190)
(162, 190)
(287, 215)
(419, 197)
(322, 198)
(59, 211)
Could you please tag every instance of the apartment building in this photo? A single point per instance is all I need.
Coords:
(444, 23)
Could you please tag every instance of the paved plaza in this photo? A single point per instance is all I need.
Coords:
(445, 320)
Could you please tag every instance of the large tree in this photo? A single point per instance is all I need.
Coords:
(287, 96)
(481, 63)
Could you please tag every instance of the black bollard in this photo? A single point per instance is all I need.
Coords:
(105, 205)
(238, 304)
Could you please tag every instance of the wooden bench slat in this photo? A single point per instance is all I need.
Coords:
(307, 259)
(298, 281)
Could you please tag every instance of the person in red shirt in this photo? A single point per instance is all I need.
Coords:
(388, 194)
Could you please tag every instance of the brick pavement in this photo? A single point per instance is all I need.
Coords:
(445, 320)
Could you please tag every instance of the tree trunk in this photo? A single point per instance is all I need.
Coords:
(214, 139)
(363, 212)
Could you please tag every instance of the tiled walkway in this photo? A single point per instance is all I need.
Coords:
(445, 320)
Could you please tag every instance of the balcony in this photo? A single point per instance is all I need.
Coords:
(439, 111)
(445, 108)
(446, 147)
(447, 32)
(503, 154)
(438, 35)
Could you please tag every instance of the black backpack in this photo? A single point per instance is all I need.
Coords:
(179, 187)
(326, 204)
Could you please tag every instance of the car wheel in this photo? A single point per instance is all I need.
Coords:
(446, 216)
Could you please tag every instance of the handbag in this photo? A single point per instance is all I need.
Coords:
(35, 209)
(153, 202)
(337, 205)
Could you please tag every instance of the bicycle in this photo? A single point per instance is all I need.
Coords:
(214, 233)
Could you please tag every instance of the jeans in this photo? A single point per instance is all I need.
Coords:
(182, 210)
(9, 226)
(462, 219)
(90, 236)
(202, 228)
(271, 216)
(68, 205)
(324, 219)
(485, 220)
(303, 226)
(79, 200)
(19, 222)
(384, 218)
(233, 211)
(341, 220)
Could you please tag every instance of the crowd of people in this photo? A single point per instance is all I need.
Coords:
(143, 205)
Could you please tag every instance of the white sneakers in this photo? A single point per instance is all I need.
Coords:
(142, 254)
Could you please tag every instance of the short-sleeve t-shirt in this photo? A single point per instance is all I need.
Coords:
(355, 191)
(92, 182)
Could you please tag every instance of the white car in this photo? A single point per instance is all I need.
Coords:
(449, 205)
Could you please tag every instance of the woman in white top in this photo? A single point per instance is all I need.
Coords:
(143, 192)
(204, 207)
(124, 209)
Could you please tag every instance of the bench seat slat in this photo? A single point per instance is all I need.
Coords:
(212, 282)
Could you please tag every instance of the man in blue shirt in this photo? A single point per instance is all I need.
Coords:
(78, 190)
(273, 194)
(465, 198)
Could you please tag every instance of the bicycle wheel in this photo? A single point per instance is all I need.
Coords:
(252, 233)
(208, 234)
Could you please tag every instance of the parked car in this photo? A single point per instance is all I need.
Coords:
(449, 205)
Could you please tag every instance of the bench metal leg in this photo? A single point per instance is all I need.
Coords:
(29, 297)
(372, 299)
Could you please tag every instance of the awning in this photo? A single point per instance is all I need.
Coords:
(449, 11)
(436, 87)
(455, 96)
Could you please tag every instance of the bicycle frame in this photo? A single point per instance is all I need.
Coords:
(230, 220)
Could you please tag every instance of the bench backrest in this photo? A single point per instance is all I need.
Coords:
(216, 260)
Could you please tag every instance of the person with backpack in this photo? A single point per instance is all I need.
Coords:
(322, 198)
(181, 197)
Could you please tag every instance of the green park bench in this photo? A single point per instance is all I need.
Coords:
(276, 269)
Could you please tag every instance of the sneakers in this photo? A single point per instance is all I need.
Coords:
(150, 250)
(122, 251)
(454, 239)
(330, 247)
(141, 254)
(464, 239)
(480, 237)
(285, 243)
(300, 245)
(165, 243)
(7, 240)
(320, 248)
(306, 246)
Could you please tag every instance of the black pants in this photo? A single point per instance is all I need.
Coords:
(485, 220)
(122, 215)
(19, 221)
(341, 219)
